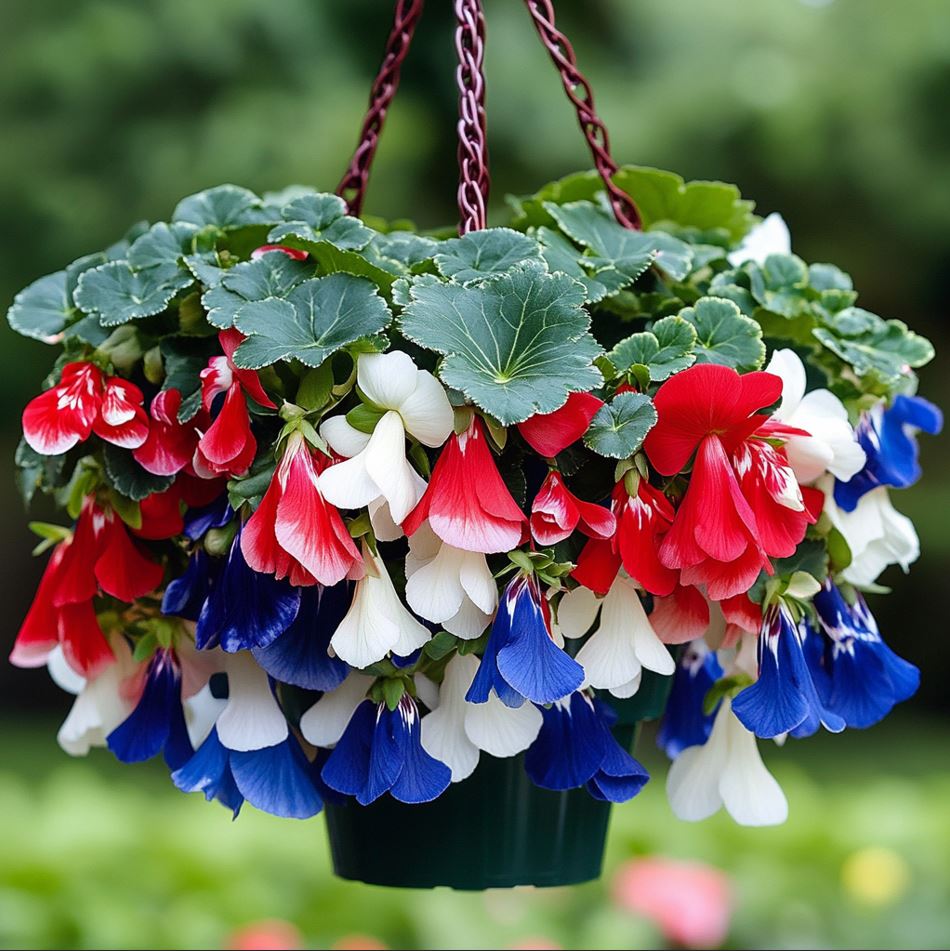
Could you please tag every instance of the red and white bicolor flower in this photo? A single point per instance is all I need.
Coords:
(85, 401)
(550, 433)
(98, 557)
(556, 512)
(743, 505)
(641, 522)
(457, 732)
(376, 471)
(295, 533)
(227, 446)
(294, 253)
(467, 502)
(624, 642)
(170, 446)
(377, 621)
(449, 586)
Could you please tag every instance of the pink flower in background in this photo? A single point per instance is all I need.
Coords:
(689, 902)
(535, 944)
(268, 935)
(359, 942)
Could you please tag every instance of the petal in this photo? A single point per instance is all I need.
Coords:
(344, 440)
(469, 622)
(769, 236)
(122, 569)
(386, 464)
(570, 747)
(597, 566)
(209, 772)
(550, 433)
(554, 512)
(387, 379)
(121, 420)
(422, 778)
(434, 590)
(252, 719)
(277, 780)
(62, 674)
(348, 484)
(323, 724)
(501, 730)
(609, 656)
(787, 365)
(426, 412)
(478, 581)
(230, 434)
(58, 419)
(350, 767)
(749, 791)
(161, 515)
(84, 645)
(577, 611)
(693, 781)
(443, 730)
(39, 632)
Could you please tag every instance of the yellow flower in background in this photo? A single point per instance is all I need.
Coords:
(875, 876)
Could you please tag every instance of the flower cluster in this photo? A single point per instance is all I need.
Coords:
(396, 503)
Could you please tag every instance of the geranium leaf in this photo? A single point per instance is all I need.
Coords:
(827, 277)
(321, 218)
(872, 345)
(562, 255)
(162, 244)
(664, 350)
(272, 275)
(780, 285)
(515, 345)
(128, 478)
(619, 428)
(118, 294)
(316, 319)
(480, 254)
(724, 335)
(225, 207)
(400, 250)
(35, 471)
(205, 268)
(41, 309)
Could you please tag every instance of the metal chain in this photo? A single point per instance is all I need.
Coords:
(472, 130)
(579, 92)
(352, 186)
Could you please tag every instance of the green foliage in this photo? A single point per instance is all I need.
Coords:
(481, 254)
(658, 353)
(724, 335)
(620, 426)
(318, 218)
(225, 207)
(313, 321)
(127, 477)
(516, 345)
(118, 294)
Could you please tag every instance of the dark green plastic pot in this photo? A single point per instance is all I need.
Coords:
(494, 830)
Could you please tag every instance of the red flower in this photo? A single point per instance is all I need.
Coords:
(170, 445)
(294, 253)
(642, 521)
(99, 556)
(743, 504)
(83, 402)
(681, 616)
(551, 433)
(467, 503)
(161, 514)
(295, 532)
(228, 446)
(557, 512)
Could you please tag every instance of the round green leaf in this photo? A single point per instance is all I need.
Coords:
(665, 350)
(620, 426)
(724, 335)
(480, 254)
(119, 294)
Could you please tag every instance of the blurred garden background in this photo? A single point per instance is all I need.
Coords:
(832, 111)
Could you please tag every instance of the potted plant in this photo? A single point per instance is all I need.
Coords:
(419, 528)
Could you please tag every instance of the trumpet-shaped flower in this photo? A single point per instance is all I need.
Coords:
(377, 622)
(685, 721)
(576, 748)
(769, 236)
(550, 433)
(170, 445)
(889, 439)
(449, 586)
(381, 751)
(743, 505)
(521, 661)
(831, 445)
(83, 402)
(295, 533)
(227, 446)
(457, 732)
(623, 644)
(556, 512)
(726, 770)
(323, 724)
(415, 403)
(467, 503)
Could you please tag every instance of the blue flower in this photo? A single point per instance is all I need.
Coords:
(381, 751)
(888, 437)
(576, 747)
(521, 661)
(185, 596)
(276, 779)
(784, 697)
(215, 515)
(157, 724)
(864, 677)
(246, 609)
(685, 723)
(300, 656)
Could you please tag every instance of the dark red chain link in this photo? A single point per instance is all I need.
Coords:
(472, 129)
(352, 186)
(579, 92)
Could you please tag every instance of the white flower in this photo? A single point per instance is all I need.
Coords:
(101, 704)
(323, 724)
(770, 236)
(624, 643)
(377, 468)
(877, 534)
(726, 770)
(832, 446)
(62, 674)
(202, 710)
(252, 719)
(377, 621)
(449, 586)
(455, 731)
